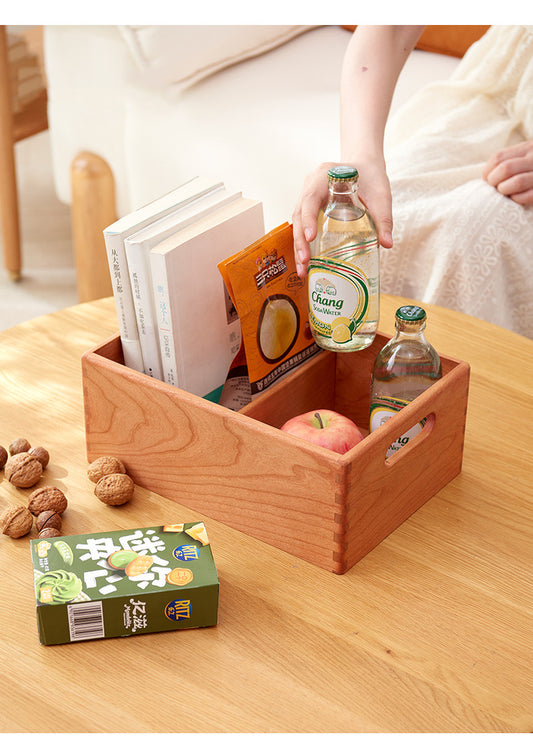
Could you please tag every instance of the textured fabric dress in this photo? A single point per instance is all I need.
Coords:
(458, 242)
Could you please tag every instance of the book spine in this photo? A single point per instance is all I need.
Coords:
(161, 293)
(141, 284)
(127, 323)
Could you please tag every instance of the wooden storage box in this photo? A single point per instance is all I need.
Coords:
(238, 468)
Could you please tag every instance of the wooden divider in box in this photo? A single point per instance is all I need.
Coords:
(238, 468)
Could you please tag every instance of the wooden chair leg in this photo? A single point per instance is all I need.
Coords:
(93, 209)
(9, 206)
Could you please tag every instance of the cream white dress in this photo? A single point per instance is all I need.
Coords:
(458, 242)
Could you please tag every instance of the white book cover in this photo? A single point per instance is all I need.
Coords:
(114, 236)
(137, 248)
(198, 327)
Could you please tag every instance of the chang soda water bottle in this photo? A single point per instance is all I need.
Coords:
(405, 367)
(343, 272)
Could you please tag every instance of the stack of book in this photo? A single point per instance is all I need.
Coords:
(176, 320)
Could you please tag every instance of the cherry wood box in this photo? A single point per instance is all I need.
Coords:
(240, 469)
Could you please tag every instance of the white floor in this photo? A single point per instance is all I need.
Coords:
(48, 277)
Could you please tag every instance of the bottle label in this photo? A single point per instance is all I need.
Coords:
(381, 409)
(338, 297)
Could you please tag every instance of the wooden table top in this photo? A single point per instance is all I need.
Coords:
(430, 632)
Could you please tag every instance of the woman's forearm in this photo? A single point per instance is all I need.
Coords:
(372, 63)
(374, 59)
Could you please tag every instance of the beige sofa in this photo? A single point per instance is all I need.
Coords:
(135, 111)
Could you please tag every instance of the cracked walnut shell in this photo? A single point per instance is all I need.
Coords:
(23, 470)
(17, 521)
(106, 465)
(48, 520)
(115, 489)
(47, 498)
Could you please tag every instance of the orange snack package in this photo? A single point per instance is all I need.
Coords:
(271, 301)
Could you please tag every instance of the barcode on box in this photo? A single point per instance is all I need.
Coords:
(85, 621)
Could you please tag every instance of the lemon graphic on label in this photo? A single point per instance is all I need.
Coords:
(341, 320)
(341, 330)
(341, 334)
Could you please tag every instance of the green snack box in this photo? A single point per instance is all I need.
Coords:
(124, 583)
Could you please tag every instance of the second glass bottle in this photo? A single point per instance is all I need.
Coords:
(404, 368)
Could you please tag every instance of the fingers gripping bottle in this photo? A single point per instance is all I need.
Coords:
(405, 367)
(343, 272)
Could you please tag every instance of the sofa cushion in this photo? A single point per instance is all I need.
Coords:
(183, 55)
(260, 126)
(452, 40)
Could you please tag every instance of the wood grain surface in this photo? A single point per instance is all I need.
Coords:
(430, 632)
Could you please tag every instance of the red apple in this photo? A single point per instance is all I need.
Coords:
(327, 428)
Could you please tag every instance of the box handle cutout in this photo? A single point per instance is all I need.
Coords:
(415, 441)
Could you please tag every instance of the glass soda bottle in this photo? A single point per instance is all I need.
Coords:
(405, 367)
(343, 272)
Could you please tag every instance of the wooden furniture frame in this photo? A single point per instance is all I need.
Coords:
(93, 188)
(93, 209)
(13, 128)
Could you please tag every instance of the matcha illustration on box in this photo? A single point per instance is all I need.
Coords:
(124, 583)
(343, 273)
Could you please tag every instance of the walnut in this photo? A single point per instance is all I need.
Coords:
(47, 498)
(49, 532)
(48, 519)
(17, 521)
(19, 445)
(23, 470)
(41, 454)
(115, 489)
(104, 466)
(3, 456)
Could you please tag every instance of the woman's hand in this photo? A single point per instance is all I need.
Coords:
(510, 171)
(305, 215)
(373, 190)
